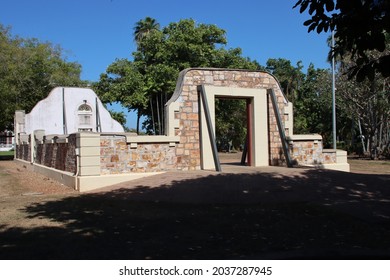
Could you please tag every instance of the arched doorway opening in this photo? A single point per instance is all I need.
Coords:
(233, 130)
(257, 124)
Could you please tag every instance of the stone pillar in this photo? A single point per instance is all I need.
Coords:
(36, 138)
(289, 119)
(260, 128)
(19, 125)
(88, 153)
(170, 122)
(38, 134)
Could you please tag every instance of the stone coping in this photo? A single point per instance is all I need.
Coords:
(152, 139)
(338, 152)
(24, 138)
(329, 151)
(303, 137)
(130, 137)
(51, 138)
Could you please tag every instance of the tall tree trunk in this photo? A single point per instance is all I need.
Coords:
(138, 118)
(151, 109)
(158, 115)
(380, 136)
(361, 136)
(162, 115)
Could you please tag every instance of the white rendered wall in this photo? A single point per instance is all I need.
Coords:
(48, 113)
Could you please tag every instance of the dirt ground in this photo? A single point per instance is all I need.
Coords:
(241, 213)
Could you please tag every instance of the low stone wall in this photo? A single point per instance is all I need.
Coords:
(330, 156)
(100, 154)
(56, 152)
(22, 151)
(306, 149)
(118, 156)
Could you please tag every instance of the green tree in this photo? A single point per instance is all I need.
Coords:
(289, 77)
(230, 123)
(311, 94)
(119, 117)
(123, 83)
(313, 107)
(359, 25)
(144, 27)
(29, 70)
(367, 104)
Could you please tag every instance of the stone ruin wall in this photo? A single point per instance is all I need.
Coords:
(188, 150)
(307, 152)
(119, 157)
(55, 153)
(22, 151)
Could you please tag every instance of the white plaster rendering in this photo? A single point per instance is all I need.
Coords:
(68, 110)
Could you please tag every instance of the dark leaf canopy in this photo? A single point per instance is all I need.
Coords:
(360, 26)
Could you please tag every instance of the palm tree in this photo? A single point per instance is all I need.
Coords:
(144, 27)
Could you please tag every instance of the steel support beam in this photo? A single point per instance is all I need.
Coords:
(271, 93)
(202, 97)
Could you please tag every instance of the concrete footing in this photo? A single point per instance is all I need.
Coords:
(83, 183)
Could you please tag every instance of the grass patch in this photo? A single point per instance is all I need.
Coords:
(6, 155)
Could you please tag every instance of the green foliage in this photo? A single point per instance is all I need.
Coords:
(312, 99)
(289, 77)
(122, 77)
(230, 123)
(313, 106)
(29, 70)
(144, 27)
(119, 117)
(367, 102)
(359, 26)
(7, 153)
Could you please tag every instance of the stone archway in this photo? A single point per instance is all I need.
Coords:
(185, 121)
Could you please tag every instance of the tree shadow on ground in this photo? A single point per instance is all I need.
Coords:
(315, 214)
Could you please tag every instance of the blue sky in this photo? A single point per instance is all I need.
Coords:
(96, 32)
